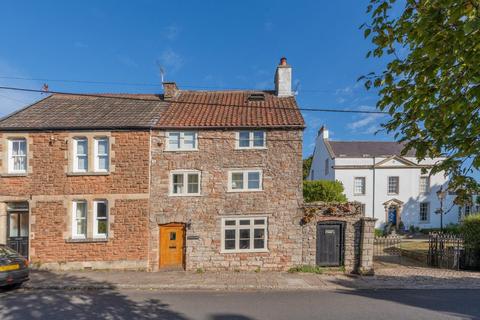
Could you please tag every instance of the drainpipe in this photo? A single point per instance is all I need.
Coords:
(373, 187)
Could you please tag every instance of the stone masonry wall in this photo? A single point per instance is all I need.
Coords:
(50, 188)
(279, 201)
(355, 237)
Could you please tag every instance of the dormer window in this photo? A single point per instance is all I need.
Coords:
(251, 139)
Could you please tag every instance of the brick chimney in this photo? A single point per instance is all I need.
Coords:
(170, 90)
(283, 79)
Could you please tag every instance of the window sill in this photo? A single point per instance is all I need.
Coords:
(245, 251)
(243, 191)
(181, 150)
(7, 175)
(359, 194)
(184, 195)
(75, 174)
(251, 148)
(86, 240)
(392, 194)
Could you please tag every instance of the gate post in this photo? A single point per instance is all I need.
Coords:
(366, 246)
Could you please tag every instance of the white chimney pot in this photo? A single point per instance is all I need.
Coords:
(283, 79)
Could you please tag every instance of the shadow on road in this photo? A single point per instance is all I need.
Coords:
(105, 303)
(462, 303)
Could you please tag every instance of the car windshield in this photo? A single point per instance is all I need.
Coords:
(7, 252)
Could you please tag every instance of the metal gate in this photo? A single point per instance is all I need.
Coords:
(17, 227)
(387, 249)
(330, 244)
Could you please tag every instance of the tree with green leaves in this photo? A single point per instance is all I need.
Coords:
(323, 190)
(430, 85)
(307, 164)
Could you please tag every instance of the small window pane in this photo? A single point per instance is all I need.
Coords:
(237, 180)
(259, 221)
(81, 210)
(229, 234)
(253, 180)
(82, 147)
(103, 163)
(229, 244)
(258, 139)
(230, 222)
(173, 236)
(82, 163)
(177, 183)
(102, 146)
(189, 140)
(244, 242)
(244, 139)
(244, 222)
(193, 183)
(14, 227)
(102, 227)
(101, 210)
(23, 225)
(174, 140)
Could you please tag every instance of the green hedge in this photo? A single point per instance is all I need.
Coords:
(470, 230)
(323, 190)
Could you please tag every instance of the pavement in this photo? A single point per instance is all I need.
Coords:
(387, 276)
(210, 305)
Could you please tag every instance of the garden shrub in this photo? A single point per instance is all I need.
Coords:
(470, 230)
(323, 190)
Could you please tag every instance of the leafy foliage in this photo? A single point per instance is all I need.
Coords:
(431, 83)
(323, 190)
(470, 230)
(306, 269)
(307, 164)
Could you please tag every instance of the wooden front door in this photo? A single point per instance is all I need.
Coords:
(329, 244)
(171, 246)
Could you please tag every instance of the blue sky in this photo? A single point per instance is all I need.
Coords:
(224, 44)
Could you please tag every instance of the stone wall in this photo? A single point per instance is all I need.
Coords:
(50, 188)
(279, 201)
(358, 256)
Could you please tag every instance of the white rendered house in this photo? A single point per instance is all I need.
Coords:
(391, 187)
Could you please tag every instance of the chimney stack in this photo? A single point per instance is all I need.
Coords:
(283, 79)
(170, 90)
(323, 132)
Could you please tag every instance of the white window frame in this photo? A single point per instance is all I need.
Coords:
(427, 213)
(250, 139)
(75, 234)
(185, 174)
(181, 138)
(237, 228)
(398, 185)
(97, 155)
(245, 173)
(75, 154)
(364, 186)
(427, 185)
(11, 161)
(96, 219)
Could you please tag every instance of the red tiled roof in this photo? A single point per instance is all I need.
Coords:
(223, 109)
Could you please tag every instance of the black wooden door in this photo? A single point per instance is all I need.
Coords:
(17, 236)
(329, 244)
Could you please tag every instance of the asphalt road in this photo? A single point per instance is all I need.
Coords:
(141, 304)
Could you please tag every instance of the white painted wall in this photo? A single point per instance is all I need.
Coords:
(409, 191)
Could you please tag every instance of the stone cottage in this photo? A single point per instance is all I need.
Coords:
(182, 180)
